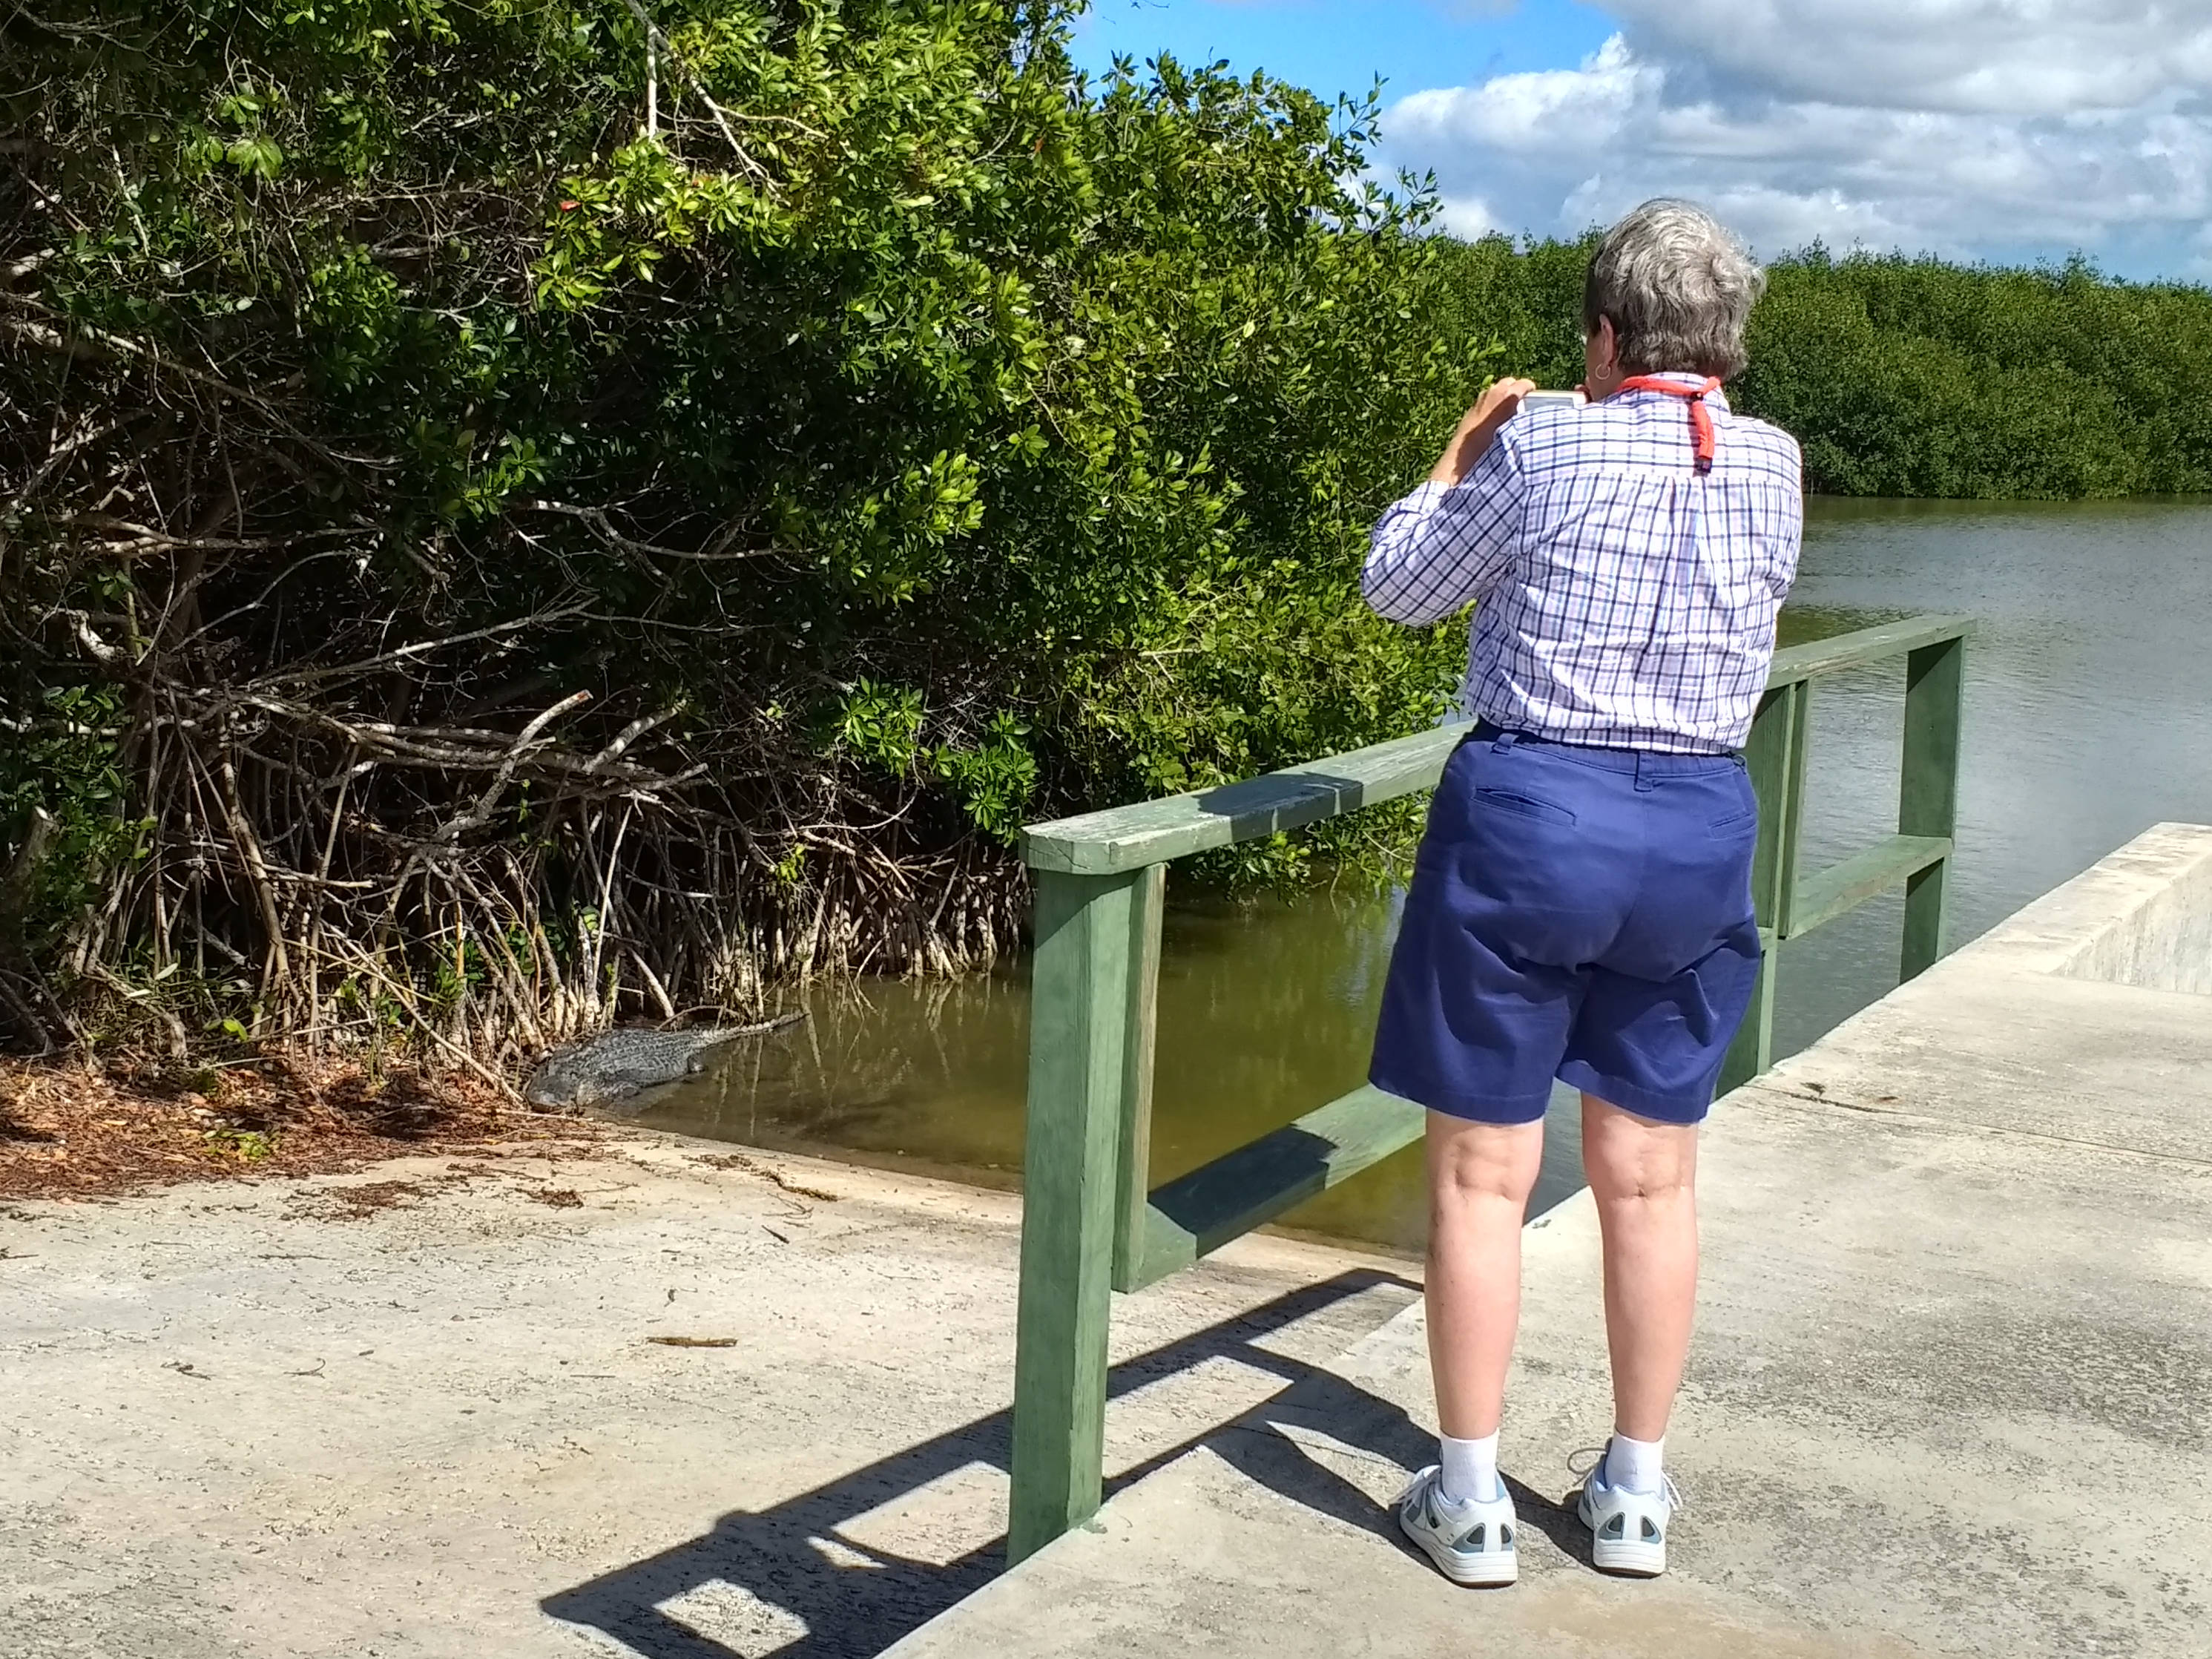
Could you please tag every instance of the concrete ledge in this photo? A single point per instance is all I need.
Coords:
(2141, 916)
(1952, 1391)
(2163, 942)
(2036, 1028)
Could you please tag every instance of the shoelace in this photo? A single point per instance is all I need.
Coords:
(1668, 1489)
(1434, 1481)
(1426, 1477)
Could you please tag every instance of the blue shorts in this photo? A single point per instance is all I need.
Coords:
(1577, 912)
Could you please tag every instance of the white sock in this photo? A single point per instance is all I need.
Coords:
(1469, 1469)
(1633, 1465)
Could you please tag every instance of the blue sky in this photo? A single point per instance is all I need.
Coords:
(1333, 47)
(2006, 129)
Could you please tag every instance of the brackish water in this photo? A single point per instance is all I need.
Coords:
(2088, 718)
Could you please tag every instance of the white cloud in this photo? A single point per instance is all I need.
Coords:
(1963, 126)
(1541, 109)
(1469, 216)
(2002, 57)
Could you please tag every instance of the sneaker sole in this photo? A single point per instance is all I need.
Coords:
(1619, 1557)
(1484, 1577)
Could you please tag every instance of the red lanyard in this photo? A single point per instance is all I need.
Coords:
(1701, 418)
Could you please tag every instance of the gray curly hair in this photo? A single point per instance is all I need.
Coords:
(1678, 288)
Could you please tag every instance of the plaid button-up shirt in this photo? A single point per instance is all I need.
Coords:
(1626, 599)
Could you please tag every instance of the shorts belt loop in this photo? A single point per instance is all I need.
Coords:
(1505, 741)
(1647, 772)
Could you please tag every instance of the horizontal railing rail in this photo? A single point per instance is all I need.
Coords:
(1091, 1222)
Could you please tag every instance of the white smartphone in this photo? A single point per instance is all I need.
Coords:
(1543, 399)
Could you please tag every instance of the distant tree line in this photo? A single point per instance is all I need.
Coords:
(1914, 377)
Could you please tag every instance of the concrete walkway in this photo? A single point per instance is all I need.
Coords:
(1952, 1391)
(427, 1411)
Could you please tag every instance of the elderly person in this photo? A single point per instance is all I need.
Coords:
(1581, 904)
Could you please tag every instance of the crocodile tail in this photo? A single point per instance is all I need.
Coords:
(732, 1033)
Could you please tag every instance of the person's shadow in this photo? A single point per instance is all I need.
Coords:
(852, 1600)
(1267, 1449)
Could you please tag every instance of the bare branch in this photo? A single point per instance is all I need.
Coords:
(413, 652)
(597, 519)
(653, 37)
(629, 734)
(480, 813)
(97, 648)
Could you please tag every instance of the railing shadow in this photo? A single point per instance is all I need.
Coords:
(854, 1600)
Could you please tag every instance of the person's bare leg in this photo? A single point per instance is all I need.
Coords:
(1479, 1178)
(1643, 1176)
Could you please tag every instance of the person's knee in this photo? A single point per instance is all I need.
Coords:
(1628, 1160)
(1491, 1163)
(1639, 1182)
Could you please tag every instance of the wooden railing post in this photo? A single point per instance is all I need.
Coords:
(1090, 1060)
(1928, 790)
(1776, 757)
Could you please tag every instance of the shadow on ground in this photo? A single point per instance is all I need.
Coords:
(854, 1601)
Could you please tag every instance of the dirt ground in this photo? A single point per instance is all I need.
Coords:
(68, 1129)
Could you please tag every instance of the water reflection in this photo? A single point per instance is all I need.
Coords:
(932, 1076)
(2089, 717)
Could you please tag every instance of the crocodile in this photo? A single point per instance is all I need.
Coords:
(616, 1066)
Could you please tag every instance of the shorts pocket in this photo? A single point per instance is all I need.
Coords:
(1527, 806)
(1735, 824)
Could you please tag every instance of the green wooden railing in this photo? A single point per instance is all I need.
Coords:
(1091, 1224)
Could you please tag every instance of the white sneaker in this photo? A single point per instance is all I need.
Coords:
(1472, 1543)
(1628, 1529)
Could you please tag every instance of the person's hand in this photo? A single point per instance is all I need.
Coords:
(1477, 428)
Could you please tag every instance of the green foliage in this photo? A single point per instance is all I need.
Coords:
(880, 725)
(248, 1146)
(915, 437)
(995, 779)
(59, 759)
(1528, 297)
(1912, 377)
